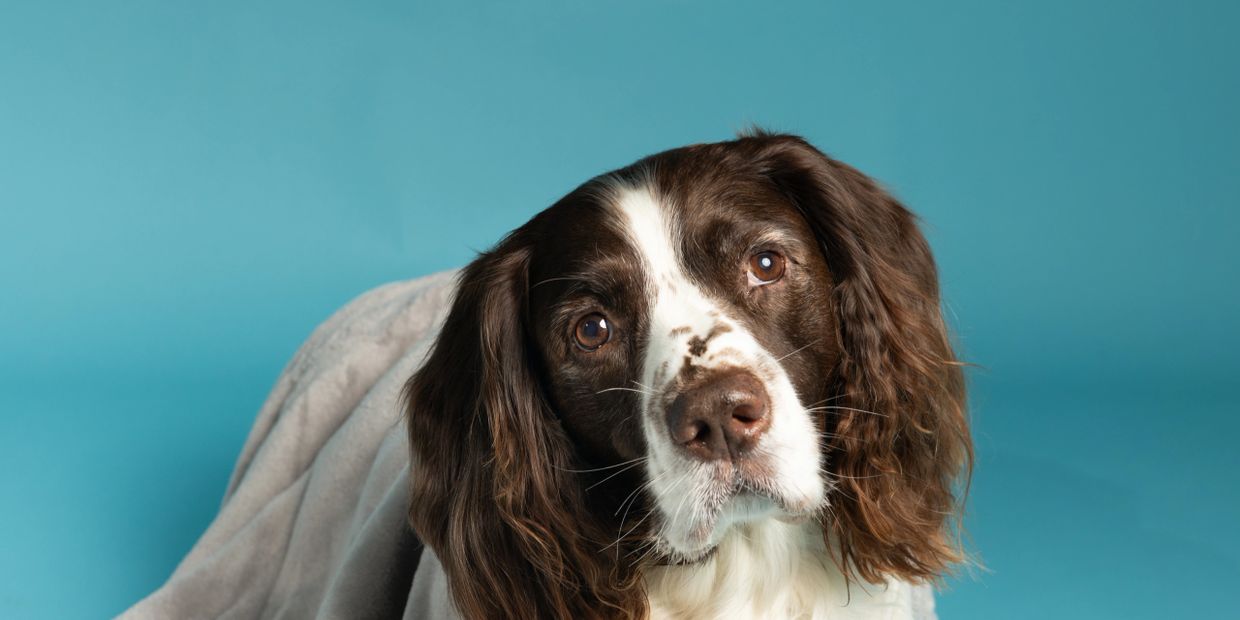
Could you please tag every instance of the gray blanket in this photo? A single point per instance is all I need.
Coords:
(313, 522)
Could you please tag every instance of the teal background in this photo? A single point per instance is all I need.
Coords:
(186, 190)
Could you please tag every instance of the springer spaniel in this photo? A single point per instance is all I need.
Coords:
(713, 384)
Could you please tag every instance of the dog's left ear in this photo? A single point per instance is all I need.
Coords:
(899, 433)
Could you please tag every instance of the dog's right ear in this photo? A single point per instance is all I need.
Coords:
(491, 485)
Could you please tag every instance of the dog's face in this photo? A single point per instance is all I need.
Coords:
(686, 331)
(716, 335)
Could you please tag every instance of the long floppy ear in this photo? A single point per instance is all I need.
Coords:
(900, 438)
(491, 488)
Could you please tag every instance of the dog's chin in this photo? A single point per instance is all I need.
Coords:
(742, 507)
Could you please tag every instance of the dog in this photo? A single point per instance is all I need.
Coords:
(715, 383)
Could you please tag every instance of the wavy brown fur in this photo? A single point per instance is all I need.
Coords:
(492, 488)
(901, 438)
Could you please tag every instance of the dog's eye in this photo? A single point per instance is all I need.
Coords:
(593, 331)
(765, 268)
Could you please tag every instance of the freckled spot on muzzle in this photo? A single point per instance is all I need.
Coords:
(697, 344)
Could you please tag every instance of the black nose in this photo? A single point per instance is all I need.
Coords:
(720, 417)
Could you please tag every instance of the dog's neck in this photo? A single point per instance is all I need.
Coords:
(771, 569)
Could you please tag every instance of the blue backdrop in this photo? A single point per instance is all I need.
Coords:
(186, 191)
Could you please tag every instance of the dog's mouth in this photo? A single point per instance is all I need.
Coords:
(740, 504)
(680, 559)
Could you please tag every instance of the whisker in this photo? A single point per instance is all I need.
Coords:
(798, 350)
(650, 546)
(631, 530)
(631, 466)
(649, 512)
(633, 496)
(651, 549)
(843, 408)
(683, 500)
(549, 280)
(586, 471)
(623, 389)
(841, 491)
(822, 519)
(645, 485)
(640, 548)
(827, 400)
(844, 477)
(839, 436)
(621, 536)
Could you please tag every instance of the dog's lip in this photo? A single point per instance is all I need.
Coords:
(704, 555)
(738, 494)
(710, 538)
(688, 558)
(747, 492)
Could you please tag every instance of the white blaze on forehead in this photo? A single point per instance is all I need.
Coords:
(677, 303)
(650, 228)
(685, 490)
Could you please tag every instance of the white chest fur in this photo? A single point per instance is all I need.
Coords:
(772, 570)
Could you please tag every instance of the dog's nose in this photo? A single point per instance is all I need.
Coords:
(721, 417)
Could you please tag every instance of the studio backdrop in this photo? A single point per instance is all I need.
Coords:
(186, 190)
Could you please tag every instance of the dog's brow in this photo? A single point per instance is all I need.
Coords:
(775, 234)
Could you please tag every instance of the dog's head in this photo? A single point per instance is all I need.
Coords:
(715, 335)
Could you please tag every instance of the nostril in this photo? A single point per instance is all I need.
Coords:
(687, 430)
(748, 413)
(698, 431)
(750, 419)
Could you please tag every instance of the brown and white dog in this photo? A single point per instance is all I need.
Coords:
(714, 383)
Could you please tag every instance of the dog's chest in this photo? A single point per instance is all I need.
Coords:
(771, 570)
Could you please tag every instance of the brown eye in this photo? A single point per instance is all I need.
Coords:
(593, 331)
(765, 268)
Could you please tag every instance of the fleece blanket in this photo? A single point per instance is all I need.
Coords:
(313, 521)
